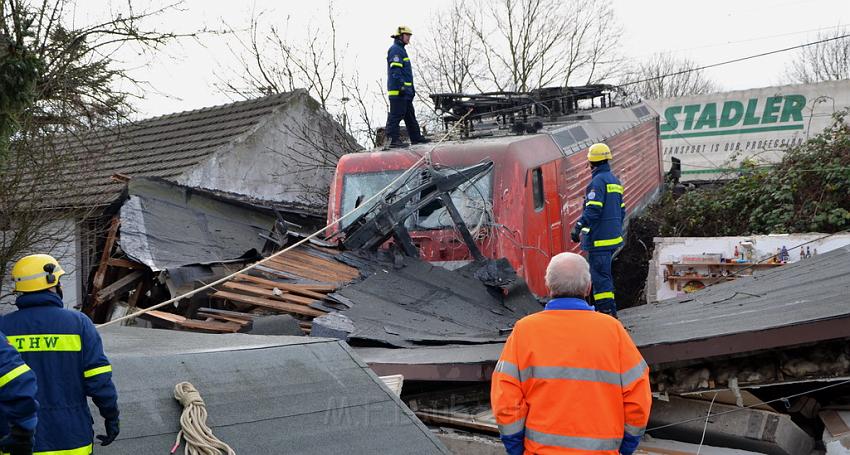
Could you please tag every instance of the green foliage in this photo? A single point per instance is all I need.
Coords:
(809, 191)
(19, 73)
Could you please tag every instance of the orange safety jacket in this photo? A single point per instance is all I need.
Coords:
(570, 381)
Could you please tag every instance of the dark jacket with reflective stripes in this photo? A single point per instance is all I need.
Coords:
(399, 71)
(17, 390)
(604, 211)
(65, 351)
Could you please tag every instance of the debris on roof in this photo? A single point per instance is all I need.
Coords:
(451, 362)
(419, 303)
(798, 303)
(166, 226)
(263, 394)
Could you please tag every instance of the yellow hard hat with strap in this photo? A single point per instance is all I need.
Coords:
(598, 152)
(402, 30)
(36, 272)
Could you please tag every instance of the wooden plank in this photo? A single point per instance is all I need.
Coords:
(321, 264)
(270, 269)
(317, 263)
(315, 287)
(127, 264)
(233, 314)
(119, 287)
(305, 257)
(100, 274)
(221, 327)
(268, 293)
(271, 304)
(195, 324)
(221, 317)
(170, 317)
(305, 271)
(834, 423)
(288, 287)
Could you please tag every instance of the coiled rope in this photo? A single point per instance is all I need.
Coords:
(193, 422)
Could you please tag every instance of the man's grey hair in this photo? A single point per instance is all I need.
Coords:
(568, 274)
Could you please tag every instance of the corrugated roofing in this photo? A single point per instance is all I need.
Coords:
(795, 295)
(158, 147)
(264, 395)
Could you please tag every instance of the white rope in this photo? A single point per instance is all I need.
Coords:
(424, 158)
(705, 427)
(193, 422)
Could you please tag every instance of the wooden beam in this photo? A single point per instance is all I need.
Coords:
(284, 307)
(195, 324)
(117, 262)
(268, 293)
(119, 287)
(100, 275)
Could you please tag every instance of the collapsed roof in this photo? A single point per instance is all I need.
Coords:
(797, 303)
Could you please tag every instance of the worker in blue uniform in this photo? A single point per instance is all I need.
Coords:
(401, 91)
(600, 228)
(18, 405)
(65, 351)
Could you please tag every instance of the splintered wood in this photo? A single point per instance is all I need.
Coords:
(294, 283)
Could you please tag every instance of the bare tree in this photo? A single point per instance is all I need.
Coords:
(79, 81)
(826, 61)
(527, 44)
(270, 62)
(77, 87)
(664, 76)
(449, 56)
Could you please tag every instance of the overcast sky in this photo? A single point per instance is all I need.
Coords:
(706, 32)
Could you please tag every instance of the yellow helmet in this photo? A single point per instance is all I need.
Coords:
(401, 30)
(598, 152)
(36, 272)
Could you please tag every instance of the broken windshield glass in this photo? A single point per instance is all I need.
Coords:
(358, 188)
(472, 199)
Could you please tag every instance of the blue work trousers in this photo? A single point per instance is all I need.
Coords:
(401, 108)
(603, 281)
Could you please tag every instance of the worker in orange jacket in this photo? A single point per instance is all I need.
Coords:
(570, 380)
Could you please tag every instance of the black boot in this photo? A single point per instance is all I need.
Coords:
(421, 140)
(397, 143)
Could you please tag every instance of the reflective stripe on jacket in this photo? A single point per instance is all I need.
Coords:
(65, 351)
(604, 211)
(570, 380)
(17, 389)
(399, 71)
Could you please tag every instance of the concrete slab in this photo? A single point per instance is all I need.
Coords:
(653, 446)
(728, 426)
(469, 444)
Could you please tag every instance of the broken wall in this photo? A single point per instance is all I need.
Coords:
(289, 158)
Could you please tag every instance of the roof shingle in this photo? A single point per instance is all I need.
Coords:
(163, 147)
